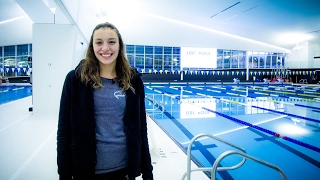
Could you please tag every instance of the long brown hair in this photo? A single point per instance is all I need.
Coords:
(90, 68)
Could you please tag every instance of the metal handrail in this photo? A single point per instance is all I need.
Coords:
(227, 153)
(189, 170)
(159, 105)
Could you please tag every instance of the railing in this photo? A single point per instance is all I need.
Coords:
(227, 153)
(189, 170)
(215, 167)
(159, 106)
(303, 81)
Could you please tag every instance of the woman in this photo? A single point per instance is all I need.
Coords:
(102, 129)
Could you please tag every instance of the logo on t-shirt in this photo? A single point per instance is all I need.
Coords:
(119, 94)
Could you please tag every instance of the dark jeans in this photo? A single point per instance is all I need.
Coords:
(115, 175)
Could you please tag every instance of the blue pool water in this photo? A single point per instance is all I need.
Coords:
(279, 124)
(14, 92)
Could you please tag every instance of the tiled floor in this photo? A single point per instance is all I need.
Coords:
(28, 146)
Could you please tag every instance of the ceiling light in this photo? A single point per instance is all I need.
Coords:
(212, 30)
(13, 19)
(53, 10)
(297, 47)
(294, 38)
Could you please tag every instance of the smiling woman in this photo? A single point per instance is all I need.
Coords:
(104, 99)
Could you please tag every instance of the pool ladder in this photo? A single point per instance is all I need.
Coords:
(215, 167)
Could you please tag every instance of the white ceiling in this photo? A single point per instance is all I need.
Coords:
(269, 21)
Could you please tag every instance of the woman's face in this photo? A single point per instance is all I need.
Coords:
(106, 46)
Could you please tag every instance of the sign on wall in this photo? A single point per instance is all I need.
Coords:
(198, 57)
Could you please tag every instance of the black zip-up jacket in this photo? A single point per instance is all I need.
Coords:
(76, 138)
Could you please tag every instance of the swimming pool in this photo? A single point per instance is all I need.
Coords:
(14, 92)
(277, 123)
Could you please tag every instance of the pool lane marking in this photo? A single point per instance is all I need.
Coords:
(234, 94)
(4, 91)
(240, 128)
(303, 144)
(305, 99)
(297, 94)
(268, 100)
(290, 149)
(311, 107)
(315, 111)
(289, 114)
(279, 112)
(11, 89)
(291, 104)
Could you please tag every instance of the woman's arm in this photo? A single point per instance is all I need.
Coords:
(64, 130)
(146, 166)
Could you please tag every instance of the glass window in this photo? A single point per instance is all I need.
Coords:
(9, 62)
(268, 60)
(167, 50)
(242, 59)
(167, 62)
(9, 51)
(158, 59)
(253, 59)
(262, 60)
(129, 49)
(149, 61)
(250, 58)
(234, 59)
(176, 62)
(274, 60)
(22, 61)
(219, 58)
(22, 50)
(149, 49)
(158, 50)
(1, 63)
(140, 61)
(282, 58)
(130, 58)
(176, 50)
(1, 60)
(226, 59)
(139, 50)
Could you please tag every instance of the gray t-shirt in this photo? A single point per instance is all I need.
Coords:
(109, 108)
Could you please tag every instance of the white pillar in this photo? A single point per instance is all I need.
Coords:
(53, 52)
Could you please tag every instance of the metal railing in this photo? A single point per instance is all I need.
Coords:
(159, 107)
(227, 153)
(189, 170)
(215, 167)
